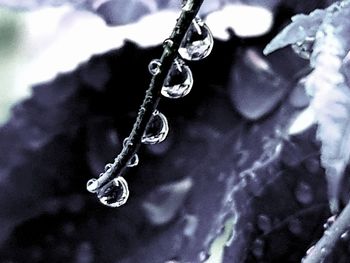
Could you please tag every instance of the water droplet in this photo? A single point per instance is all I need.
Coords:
(264, 223)
(345, 236)
(329, 222)
(258, 248)
(154, 67)
(126, 142)
(179, 81)
(203, 255)
(310, 250)
(198, 41)
(115, 193)
(134, 161)
(108, 166)
(157, 129)
(303, 193)
(168, 43)
(91, 185)
(304, 48)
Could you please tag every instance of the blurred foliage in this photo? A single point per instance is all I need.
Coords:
(10, 36)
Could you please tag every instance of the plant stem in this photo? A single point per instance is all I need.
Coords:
(150, 102)
(330, 238)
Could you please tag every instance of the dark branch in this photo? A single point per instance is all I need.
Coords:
(150, 102)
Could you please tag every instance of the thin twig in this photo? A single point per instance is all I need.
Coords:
(330, 238)
(150, 102)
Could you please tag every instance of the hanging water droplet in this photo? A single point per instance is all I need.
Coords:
(303, 193)
(115, 193)
(154, 67)
(179, 81)
(108, 166)
(91, 185)
(198, 41)
(157, 129)
(304, 48)
(134, 161)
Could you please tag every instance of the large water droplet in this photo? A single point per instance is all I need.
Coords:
(303, 193)
(157, 129)
(114, 193)
(179, 81)
(198, 41)
(304, 48)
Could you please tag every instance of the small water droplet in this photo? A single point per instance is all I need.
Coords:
(264, 223)
(115, 193)
(323, 250)
(303, 193)
(329, 222)
(91, 185)
(157, 129)
(304, 48)
(154, 66)
(168, 43)
(258, 248)
(310, 250)
(134, 161)
(198, 41)
(345, 236)
(126, 142)
(179, 81)
(108, 166)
